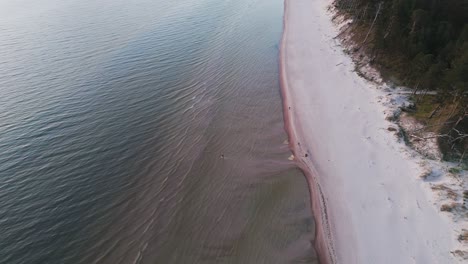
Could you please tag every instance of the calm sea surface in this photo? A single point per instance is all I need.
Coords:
(113, 117)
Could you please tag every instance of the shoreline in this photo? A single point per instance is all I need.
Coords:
(366, 198)
(322, 241)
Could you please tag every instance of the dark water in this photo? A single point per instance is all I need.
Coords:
(113, 115)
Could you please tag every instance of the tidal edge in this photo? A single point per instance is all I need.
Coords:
(323, 240)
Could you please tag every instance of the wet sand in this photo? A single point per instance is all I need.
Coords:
(322, 243)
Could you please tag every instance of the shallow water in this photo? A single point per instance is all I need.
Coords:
(113, 117)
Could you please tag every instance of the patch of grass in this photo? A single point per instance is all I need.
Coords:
(463, 236)
(441, 110)
(451, 194)
(405, 136)
(425, 174)
(455, 170)
(460, 253)
(448, 207)
(425, 104)
(439, 116)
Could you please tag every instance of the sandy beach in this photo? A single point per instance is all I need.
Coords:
(367, 196)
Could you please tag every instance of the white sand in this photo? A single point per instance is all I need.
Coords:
(377, 210)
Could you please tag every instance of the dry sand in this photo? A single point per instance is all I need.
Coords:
(368, 201)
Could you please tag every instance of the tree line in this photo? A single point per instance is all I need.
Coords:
(423, 42)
